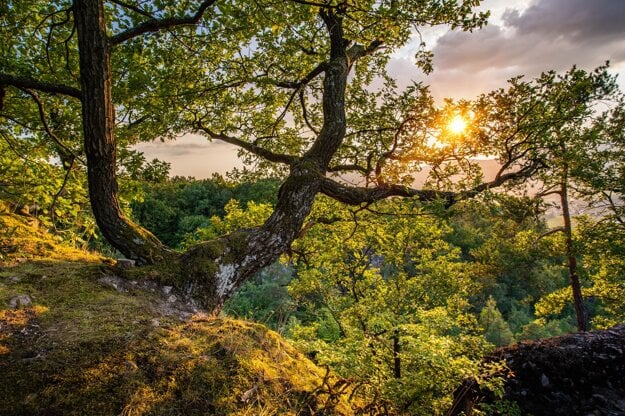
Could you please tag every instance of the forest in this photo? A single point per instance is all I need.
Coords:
(376, 252)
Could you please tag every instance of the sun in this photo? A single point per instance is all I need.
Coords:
(457, 125)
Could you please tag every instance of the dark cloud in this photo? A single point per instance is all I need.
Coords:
(581, 20)
(549, 34)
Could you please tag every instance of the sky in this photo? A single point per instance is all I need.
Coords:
(522, 37)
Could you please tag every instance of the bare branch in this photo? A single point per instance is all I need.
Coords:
(302, 101)
(132, 7)
(43, 86)
(250, 147)
(56, 196)
(547, 193)
(316, 71)
(550, 232)
(68, 152)
(154, 25)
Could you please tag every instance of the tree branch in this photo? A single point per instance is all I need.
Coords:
(357, 51)
(302, 102)
(523, 173)
(319, 69)
(550, 232)
(43, 86)
(349, 168)
(352, 195)
(133, 8)
(154, 25)
(68, 153)
(250, 147)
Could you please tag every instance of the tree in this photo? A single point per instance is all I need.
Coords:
(563, 124)
(496, 329)
(390, 298)
(287, 82)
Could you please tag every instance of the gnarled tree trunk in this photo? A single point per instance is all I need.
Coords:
(209, 272)
(98, 120)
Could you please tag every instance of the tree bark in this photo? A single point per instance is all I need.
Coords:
(396, 355)
(576, 288)
(98, 120)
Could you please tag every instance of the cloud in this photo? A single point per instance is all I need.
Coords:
(579, 20)
(193, 155)
(548, 34)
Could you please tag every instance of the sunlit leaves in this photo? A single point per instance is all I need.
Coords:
(395, 289)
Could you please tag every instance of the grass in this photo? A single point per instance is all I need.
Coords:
(84, 348)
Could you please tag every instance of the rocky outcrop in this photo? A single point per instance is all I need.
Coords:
(577, 374)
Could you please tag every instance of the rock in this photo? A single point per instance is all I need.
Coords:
(172, 299)
(20, 301)
(166, 290)
(114, 282)
(14, 279)
(585, 376)
(125, 263)
(248, 396)
(155, 322)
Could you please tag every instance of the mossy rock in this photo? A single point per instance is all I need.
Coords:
(83, 348)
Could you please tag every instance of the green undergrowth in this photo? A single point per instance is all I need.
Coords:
(22, 239)
(80, 347)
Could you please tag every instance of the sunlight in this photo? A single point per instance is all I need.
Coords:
(457, 125)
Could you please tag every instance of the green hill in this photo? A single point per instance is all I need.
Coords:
(75, 342)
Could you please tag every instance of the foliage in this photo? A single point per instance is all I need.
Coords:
(265, 299)
(496, 329)
(563, 127)
(604, 262)
(503, 236)
(175, 208)
(52, 193)
(389, 300)
(389, 295)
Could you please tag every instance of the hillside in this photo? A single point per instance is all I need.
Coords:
(74, 342)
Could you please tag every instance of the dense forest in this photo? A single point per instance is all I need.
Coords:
(364, 244)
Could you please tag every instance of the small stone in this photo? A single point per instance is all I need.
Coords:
(172, 299)
(166, 289)
(544, 380)
(249, 394)
(125, 263)
(14, 279)
(155, 322)
(20, 301)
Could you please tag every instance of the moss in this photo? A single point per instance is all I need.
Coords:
(84, 348)
(237, 241)
(21, 238)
